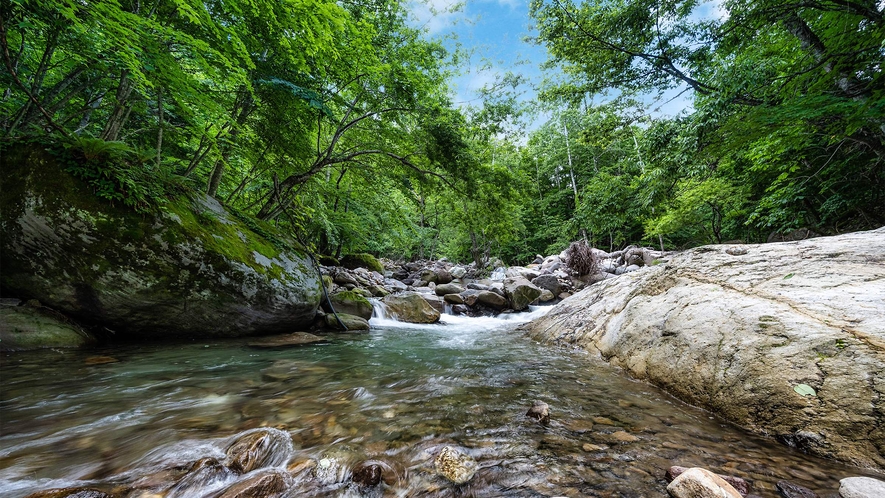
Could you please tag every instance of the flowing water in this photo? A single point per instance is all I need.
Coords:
(132, 420)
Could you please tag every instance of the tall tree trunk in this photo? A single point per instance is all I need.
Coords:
(159, 125)
(215, 179)
(121, 110)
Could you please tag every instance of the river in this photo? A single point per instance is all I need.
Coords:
(131, 420)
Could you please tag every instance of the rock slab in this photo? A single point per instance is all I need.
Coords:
(737, 335)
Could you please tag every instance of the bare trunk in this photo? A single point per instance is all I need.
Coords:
(121, 108)
(215, 179)
(160, 125)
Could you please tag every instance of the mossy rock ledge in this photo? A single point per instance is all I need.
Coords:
(192, 269)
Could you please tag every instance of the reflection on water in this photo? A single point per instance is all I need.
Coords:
(196, 419)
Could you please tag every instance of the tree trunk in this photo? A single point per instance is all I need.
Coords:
(121, 109)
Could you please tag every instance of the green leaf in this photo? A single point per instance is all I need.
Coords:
(789, 276)
(805, 390)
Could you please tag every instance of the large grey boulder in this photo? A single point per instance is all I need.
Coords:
(410, 307)
(443, 289)
(739, 334)
(520, 292)
(861, 487)
(549, 282)
(190, 268)
(352, 303)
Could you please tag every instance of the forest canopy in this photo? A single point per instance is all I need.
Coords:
(335, 120)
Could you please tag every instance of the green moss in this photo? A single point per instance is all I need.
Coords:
(362, 260)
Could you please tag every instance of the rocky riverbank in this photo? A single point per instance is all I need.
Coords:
(784, 339)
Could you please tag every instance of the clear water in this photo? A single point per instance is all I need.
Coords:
(394, 396)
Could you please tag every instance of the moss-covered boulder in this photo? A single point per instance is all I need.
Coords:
(352, 322)
(192, 268)
(362, 260)
(27, 327)
(352, 303)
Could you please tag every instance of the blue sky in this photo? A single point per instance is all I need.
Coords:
(494, 32)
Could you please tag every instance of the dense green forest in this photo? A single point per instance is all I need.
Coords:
(335, 120)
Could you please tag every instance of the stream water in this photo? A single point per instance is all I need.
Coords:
(132, 419)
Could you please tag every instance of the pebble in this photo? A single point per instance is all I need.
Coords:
(624, 437)
(742, 486)
(861, 487)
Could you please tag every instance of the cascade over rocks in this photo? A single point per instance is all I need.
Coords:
(192, 268)
(741, 334)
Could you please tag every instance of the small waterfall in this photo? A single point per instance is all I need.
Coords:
(499, 274)
(379, 309)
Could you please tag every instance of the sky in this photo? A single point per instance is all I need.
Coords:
(495, 33)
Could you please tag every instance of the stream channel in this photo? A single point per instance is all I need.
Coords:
(136, 425)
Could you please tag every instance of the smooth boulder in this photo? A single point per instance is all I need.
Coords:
(701, 483)
(28, 327)
(740, 335)
(861, 487)
(410, 307)
(351, 303)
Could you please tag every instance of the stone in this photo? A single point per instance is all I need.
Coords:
(701, 483)
(624, 437)
(257, 449)
(736, 335)
(436, 302)
(477, 286)
(428, 276)
(260, 485)
(588, 447)
(351, 322)
(367, 474)
(410, 307)
(350, 302)
(190, 269)
(549, 282)
(455, 465)
(100, 360)
(286, 340)
(470, 297)
(459, 272)
(453, 299)
(790, 490)
(742, 486)
(491, 299)
(539, 411)
(546, 296)
(861, 487)
(520, 292)
(394, 285)
(443, 289)
(27, 327)
(443, 276)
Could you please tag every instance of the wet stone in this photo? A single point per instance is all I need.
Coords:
(454, 465)
(254, 450)
(100, 360)
(701, 483)
(286, 340)
(790, 490)
(367, 474)
(539, 411)
(259, 486)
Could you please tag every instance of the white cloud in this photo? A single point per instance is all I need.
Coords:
(435, 16)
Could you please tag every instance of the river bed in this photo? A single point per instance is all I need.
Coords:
(132, 419)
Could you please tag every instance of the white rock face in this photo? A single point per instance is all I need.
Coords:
(861, 487)
(737, 333)
(701, 483)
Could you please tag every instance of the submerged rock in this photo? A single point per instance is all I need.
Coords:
(701, 483)
(740, 336)
(192, 268)
(790, 490)
(286, 340)
(454, 465)
(367, 474)
(71, 493)
(256, 449)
